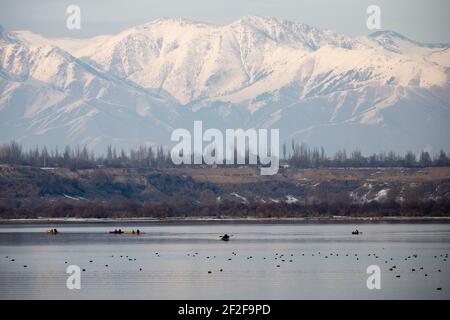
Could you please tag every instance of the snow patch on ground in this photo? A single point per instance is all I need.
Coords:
(244, 199)
(291, 199)
(381, 195)
(76, 198)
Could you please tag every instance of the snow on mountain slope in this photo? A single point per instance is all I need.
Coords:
(48, 97)
(72, 45)
(195, 60)
(379, 92)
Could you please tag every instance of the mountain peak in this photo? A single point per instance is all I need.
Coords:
(268, 23)
(5, 35)
(174, 21)
(390, 40)
(257, 19)
(390, 36)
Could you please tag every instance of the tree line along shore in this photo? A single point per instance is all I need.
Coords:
(295, 155)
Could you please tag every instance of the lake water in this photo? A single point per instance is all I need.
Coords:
(321, 261)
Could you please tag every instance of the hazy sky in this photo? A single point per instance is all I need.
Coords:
(423, 20)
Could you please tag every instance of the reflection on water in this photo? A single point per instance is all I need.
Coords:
(321, 261)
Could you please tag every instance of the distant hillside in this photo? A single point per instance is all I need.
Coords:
(103, 192)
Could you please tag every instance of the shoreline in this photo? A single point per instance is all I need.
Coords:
(229, 220)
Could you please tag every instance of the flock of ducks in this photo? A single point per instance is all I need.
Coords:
(285, 258)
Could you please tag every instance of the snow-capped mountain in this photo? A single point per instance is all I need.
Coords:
(48, 97)
(381, 92)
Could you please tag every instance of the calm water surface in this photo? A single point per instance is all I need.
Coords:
(321, 261)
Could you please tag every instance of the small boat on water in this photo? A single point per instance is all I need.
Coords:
(225, 237)
(356, 232)
(52, 231)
